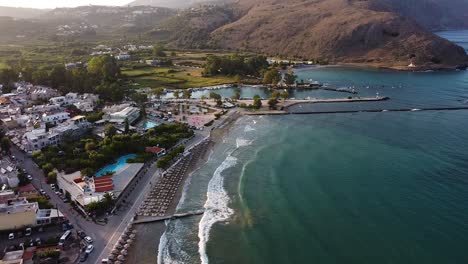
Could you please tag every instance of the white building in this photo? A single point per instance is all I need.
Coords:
(55, 118)
(8, 173)
(16, 212)
(40, 138)
(122, 56)
(42, 93)
(130, 113)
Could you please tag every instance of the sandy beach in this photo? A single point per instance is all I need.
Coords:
(149, 234)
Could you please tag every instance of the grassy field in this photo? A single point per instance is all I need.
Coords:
(174, 77)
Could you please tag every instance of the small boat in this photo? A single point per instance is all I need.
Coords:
(415, 109)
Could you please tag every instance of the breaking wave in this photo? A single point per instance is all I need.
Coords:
(216, 206)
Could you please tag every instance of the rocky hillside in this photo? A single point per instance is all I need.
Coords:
(431, 14)
(345, 31)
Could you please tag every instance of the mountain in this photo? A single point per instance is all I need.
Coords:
(174, 3)
(17, 12)
(93, 22)
(337, 31)
(431, 14)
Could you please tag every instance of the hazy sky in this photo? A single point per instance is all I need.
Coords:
(59, 3)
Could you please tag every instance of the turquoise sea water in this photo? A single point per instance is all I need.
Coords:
(115, 167)
(358, 188)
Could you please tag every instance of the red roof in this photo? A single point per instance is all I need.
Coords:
(103, 184)
(27, 188)
(154, 150)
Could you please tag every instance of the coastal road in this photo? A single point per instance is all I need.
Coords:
(137, 197)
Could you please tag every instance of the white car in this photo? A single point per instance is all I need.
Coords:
(29, 177)
(11, 236)
(89, 249)
(88, 239)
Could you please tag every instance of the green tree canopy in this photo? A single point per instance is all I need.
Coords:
(271, 76)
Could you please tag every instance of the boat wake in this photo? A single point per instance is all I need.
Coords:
(216, 206)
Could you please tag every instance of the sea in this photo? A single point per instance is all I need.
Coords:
(381, 187)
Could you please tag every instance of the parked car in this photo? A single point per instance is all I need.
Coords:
(42, 192)
(52, 186)
(29, 177)
(11, 236)
(83, 257)
(81, 234)
(89, 249)
(28, 231)
(88, 239)
(38, 241)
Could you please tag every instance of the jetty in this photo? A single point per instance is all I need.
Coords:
(379, 110)
(169, 217)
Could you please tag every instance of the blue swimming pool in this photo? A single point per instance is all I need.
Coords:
(115, 167)
(148, 124)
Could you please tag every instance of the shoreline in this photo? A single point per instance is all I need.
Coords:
(158, 228)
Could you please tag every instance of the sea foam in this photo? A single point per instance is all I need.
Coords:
(216, 206)
(248, 128)
(240, 142)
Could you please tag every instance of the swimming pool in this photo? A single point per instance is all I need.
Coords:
(148, 124)
(115, 167)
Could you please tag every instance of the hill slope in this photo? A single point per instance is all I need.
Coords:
(17, 12)
(346, 31)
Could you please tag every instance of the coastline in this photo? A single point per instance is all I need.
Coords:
(157, 229)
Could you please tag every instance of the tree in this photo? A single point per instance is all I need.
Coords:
(271, 76)
(176, 94)
(158, 51)
(285, 95)
(52, 177)
(215, 96)
(187, 94)
(90, 146)
(104, 68)
(236, 95)
(143, 111)
(23, 179)
(40, 77)
(127, 126)
(110, 131)
(48, 167)
(275, 95)
(5, 144)
(272, 103)
(290, 78)
(157, 92)
(57, 76)
(257, 102)
(108, 201)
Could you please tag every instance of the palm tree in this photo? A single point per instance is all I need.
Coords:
(108, 200)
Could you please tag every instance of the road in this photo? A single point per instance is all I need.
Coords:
(105, 236)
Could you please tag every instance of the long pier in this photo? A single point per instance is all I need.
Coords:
(360, 111)
(169, 217)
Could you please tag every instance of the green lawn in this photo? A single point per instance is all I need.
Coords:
(173, 77)
(3, 66)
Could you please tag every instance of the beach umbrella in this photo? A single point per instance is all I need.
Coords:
(121, 258)
(132, 236)
(126, 246)
(115, 251)
(134, 231)
(121, 241)
(119, 246)
(111, 257)
(118, 262)
(124, 252)
(129, 241)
